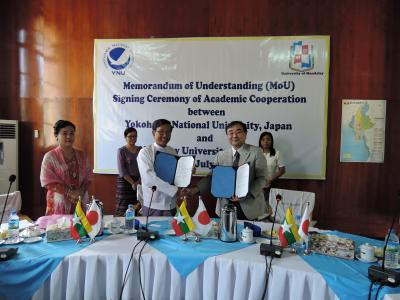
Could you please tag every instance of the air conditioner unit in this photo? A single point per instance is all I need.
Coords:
(8, 154)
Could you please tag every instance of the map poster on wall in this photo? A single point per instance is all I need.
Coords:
(363, 131)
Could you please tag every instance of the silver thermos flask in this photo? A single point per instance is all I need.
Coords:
(227, 227)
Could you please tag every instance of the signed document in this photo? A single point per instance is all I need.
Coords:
(176, 170)
(230, 181)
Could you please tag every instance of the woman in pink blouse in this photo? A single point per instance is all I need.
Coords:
(65, 172)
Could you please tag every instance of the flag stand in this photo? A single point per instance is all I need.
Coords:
(306, 250)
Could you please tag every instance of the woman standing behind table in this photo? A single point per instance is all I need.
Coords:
(129, 176)
(276, 166)
(65, 172)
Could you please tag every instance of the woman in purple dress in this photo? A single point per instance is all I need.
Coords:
(129, 176)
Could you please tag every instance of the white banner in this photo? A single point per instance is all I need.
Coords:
(276, 84)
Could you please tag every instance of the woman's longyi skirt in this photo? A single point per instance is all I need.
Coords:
(124, 195)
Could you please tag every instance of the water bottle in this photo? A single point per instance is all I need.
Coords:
(129, 219)
(13, 227)
(392, 250)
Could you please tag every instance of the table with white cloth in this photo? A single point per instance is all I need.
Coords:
(97, 272)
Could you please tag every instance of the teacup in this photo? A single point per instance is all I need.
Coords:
(378, 251)
(367, 252)
(246, 235)
(115, 226)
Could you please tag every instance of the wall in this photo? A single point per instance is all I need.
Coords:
(47, 73)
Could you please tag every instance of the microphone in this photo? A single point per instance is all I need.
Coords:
(11, 179)
(145, 234)
(270, 249)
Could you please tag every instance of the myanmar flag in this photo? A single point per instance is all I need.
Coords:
(288, 233)
(178, 223)
(79, 224)
(185, 214)
(182, 223)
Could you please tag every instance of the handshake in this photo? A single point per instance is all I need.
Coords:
(188, 192)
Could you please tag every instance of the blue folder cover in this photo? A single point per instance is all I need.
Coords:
(223, 182)
(165, 166)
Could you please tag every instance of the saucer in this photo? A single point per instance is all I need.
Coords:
(116, 231)
(33, 239)
(169, 232)
(19, 240)
(131, 231)
(366, 261)
(252, 242)
(25, 234)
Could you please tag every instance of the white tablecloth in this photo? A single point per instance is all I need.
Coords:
(97, 271)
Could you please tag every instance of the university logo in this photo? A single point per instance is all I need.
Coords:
(118, 58)
(301, 57)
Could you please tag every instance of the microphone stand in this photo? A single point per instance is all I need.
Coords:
(142, 235)
(7, 253)
(379, 273)
(271, 249)
(146, 234)
(11, 179)
(153, 189)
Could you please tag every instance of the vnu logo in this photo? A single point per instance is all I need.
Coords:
(118, 58)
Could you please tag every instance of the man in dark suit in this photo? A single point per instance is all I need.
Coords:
(253, 204)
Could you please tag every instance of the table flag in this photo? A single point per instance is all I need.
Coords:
(80, 225)
(93, 216)
(288, 233)
(201, 219)
(305, 223)
(182, 223)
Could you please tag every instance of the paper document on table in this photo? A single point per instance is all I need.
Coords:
(174, 169)
(227, 181)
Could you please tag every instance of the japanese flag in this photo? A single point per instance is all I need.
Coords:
(305, 223)
(202, 220)
(94, 217)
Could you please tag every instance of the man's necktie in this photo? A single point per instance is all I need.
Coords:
(236, 160)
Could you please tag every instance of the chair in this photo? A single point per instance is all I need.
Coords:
(14, 202)
(296, 200)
